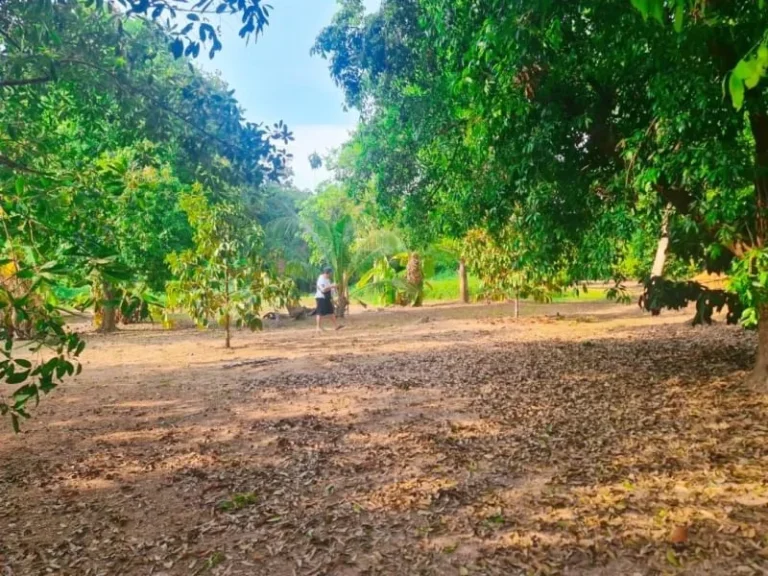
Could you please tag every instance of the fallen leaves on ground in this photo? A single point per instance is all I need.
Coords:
(638, 451)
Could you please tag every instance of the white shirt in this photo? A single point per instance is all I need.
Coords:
(322, 284)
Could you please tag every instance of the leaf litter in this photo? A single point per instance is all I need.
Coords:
(615, 448)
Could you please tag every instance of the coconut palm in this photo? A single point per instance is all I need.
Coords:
(339, 243)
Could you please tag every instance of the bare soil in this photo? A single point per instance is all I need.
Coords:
(582, 439)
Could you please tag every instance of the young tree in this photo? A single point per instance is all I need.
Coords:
(505, 269)
(223, 276)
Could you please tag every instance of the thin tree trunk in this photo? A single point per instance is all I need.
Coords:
(343, 292)
(663, 246)
(759, 124)
(463, 283)
(228, 335)
(759, 377)
(108, 320)
(661, 252)
(517, 306)
(414, 275)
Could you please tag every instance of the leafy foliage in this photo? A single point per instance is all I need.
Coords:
(102, 131)
(661, 293)
(223, 277)
(27, 313)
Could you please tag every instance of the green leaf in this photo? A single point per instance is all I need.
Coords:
(657, 10)
(17, 377)
(23, 394)
(177, 48)
(679, 14)
(762, 55)
(736, 89)
(642, 7)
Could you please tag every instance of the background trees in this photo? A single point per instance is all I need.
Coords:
(222, 276)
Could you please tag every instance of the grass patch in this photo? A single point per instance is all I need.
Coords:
(591, 295)
(445, 287)
(237, 502)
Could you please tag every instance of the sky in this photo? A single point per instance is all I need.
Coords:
(276, 79)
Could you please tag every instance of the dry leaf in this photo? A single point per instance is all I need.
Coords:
(679, 535)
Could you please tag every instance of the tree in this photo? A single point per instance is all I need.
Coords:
(315, 162)
(223, 276)
(27, 312)
(575, 118)
(505, 271)
(27, 40)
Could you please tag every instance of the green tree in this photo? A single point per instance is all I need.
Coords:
(223, 276)
(579, 120)
(35, 53)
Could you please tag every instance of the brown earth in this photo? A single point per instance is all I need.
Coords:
(581, 439)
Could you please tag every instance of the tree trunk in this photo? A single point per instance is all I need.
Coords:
(759, 377)
(661, 251)
(108, 313)
(463, 283)
(517, 306)
(414, 275)
(227, 320)
(342, 291)
(759, 124)
(663, 246)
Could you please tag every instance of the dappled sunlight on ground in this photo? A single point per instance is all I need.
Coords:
(586, 439)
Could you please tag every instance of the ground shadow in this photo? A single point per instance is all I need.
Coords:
(533, 457)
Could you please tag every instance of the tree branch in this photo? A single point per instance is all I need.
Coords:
(13, 165)
(25, 81)
(189, 122)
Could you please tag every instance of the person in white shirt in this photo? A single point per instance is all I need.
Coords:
(324, 300)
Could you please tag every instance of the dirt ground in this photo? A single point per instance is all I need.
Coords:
(582, 439)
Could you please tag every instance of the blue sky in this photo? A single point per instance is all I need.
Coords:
(277, 79)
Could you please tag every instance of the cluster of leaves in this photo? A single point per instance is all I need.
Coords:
(661, 293)
(25, 313)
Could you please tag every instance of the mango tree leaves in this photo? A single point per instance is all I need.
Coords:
(747, 75)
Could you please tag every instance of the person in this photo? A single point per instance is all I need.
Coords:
(324, 299)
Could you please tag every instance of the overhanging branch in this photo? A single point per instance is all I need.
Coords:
(25, 81)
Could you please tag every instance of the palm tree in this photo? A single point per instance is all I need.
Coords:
(338, 242)
(346, 252)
